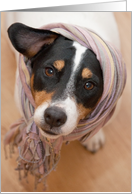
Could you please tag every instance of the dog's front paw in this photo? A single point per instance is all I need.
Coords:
(96, 142)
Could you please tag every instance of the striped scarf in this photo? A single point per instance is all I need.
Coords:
(40, 155)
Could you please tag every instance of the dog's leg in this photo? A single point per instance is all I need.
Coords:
(96, 142)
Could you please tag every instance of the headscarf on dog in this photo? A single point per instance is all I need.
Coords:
(40, 155)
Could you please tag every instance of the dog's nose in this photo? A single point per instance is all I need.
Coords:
(55, 116)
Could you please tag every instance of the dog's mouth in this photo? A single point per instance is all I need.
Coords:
(50, 132)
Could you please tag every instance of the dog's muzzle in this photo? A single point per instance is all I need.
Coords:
(54, 118)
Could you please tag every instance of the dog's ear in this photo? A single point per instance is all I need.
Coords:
(29, 41)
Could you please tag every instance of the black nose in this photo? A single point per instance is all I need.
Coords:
(55, 117)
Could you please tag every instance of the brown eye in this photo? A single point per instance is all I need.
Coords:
(49, 71)
(89, 86)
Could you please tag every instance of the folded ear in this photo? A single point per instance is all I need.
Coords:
(29, 41)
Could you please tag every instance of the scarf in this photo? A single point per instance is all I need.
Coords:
(40, 155)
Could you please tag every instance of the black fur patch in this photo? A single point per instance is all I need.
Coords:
(63, 49)
(44, 47)
(89, 98)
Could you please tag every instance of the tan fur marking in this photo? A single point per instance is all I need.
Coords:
(98, 101)
(83, 112)
(86, 73)
(40, 97)
(31, 84)
(59, 64)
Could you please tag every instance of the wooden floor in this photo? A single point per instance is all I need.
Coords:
(109, 170)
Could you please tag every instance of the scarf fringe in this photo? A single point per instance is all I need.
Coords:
(32, 158)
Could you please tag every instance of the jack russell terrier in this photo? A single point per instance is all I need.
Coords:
(65, 74)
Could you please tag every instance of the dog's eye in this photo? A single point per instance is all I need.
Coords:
(49, 71)
(88, 85)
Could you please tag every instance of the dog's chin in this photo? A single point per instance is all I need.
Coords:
(52, 134)
(49, 135)
(45, 131)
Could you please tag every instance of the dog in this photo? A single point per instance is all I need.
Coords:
(66, 80)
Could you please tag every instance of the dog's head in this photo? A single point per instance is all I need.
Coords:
(66, 81)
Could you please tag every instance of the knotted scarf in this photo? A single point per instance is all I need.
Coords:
(40, 155)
